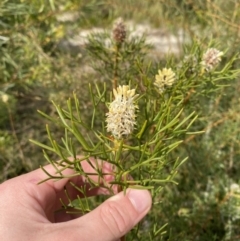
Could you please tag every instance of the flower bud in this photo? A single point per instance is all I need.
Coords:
(119, 31)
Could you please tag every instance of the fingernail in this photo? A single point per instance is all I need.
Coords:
(140, 199)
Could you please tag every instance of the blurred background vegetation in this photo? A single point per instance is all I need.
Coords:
(43, 57)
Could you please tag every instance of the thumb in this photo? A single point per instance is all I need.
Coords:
(111, 220)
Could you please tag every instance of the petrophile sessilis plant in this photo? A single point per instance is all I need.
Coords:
(149, 109)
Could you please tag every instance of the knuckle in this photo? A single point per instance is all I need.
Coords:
(116, 219)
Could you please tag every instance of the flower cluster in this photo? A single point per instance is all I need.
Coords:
(211, 58)
(121, 116)
(119, 31)
(164, 79)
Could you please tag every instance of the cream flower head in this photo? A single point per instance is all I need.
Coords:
(121, 116)
(165, 78)
(5, 98)
(211, 58)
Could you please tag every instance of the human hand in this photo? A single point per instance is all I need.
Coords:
(27, 210)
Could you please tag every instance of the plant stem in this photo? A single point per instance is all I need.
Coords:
(115, 74)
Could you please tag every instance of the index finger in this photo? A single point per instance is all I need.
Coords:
(48, 193)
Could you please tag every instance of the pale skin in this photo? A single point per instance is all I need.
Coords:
(27, 210)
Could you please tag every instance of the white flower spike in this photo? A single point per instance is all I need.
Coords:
(121, 116)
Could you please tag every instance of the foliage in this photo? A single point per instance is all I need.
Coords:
(196, 117)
